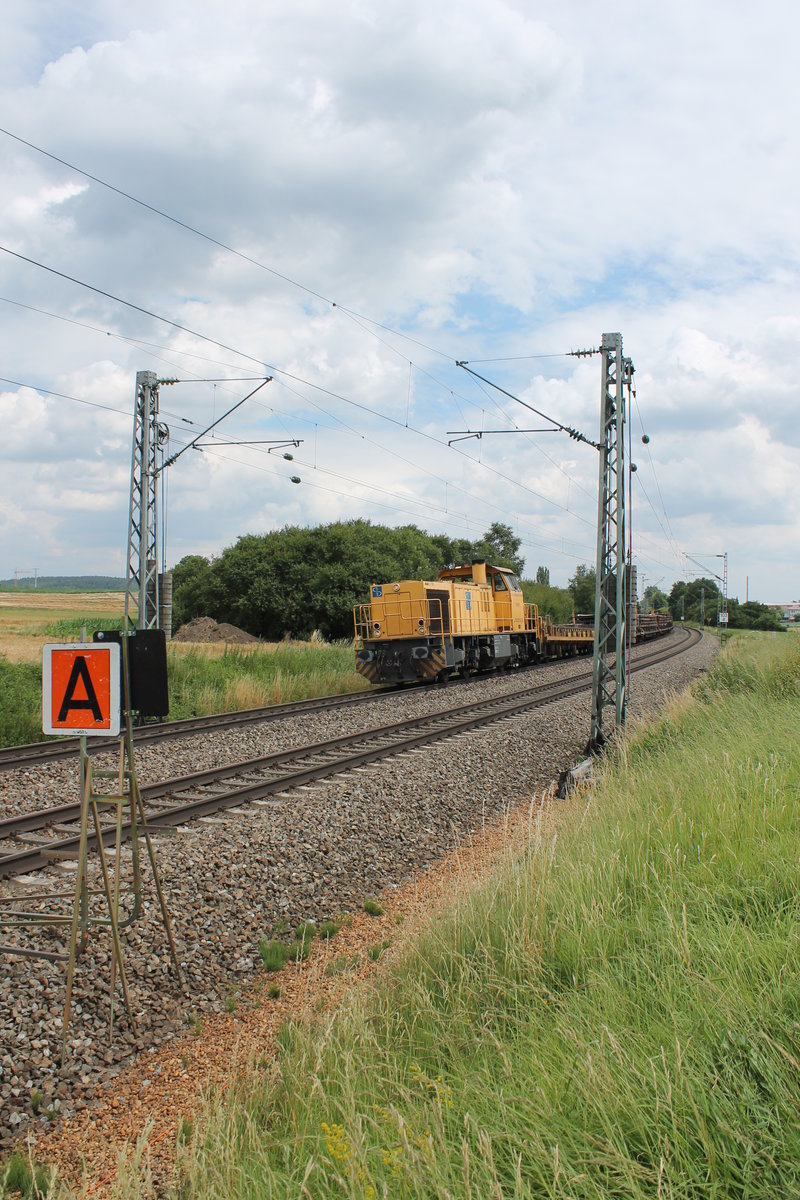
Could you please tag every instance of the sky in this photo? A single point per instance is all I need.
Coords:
(352, 199)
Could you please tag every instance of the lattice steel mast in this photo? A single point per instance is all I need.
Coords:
(610, 675)
(141, 584)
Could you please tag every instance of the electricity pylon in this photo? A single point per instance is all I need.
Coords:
(141, 582)
(610, 674)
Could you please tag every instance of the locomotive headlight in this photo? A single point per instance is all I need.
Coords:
(376, 628)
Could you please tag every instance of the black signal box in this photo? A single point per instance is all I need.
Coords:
(147, 665)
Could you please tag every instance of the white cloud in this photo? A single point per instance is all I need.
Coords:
(492, 184)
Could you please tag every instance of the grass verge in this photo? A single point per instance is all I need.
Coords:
(202, 680)
(617, 1013)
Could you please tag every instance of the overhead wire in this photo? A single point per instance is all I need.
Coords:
(185, 353)
(477, 380)
(521, 357)
(280, 371)
(216, 241)
(358, 318)
(217, 448)
(491, 399)
(128, 304)
(416, 464)
(468, 522)
(447, 483)
(670, 535)
(62, 396)
(573, 433)
(366, 484)
(353, 314)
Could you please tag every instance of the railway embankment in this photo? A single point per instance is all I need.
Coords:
(613, 1009)
(589, 834)
(614, 1012)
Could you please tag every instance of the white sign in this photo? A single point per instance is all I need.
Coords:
(81, 688)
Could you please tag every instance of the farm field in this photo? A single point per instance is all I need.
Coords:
(30, 619)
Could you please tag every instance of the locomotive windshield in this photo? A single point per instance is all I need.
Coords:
(506, 581)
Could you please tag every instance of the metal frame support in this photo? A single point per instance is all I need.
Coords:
(610, 674)
(141, 585)
(122, 798)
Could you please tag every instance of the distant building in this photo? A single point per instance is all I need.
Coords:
(789, 611)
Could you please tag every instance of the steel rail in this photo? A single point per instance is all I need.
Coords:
(33, 753)
(64, 813)
(410, 734)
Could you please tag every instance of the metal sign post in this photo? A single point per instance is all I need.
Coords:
(86, 689)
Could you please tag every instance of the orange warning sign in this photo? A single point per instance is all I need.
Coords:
(81, 688)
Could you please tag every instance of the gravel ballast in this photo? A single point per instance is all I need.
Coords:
(238, 877)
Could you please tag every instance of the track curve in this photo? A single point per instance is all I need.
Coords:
(172, 802)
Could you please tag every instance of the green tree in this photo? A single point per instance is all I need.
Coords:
(582, 588)
(500, 546)
(752, 615)
(543, 575)
(687, 598)
(299, 579)
(554, 602)
(194, 589)
(654, 600)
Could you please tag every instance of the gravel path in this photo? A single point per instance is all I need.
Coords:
(232, 879)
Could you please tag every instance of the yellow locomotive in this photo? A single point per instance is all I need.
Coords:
(473, 618)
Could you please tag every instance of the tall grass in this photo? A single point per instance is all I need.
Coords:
(617, 1013)
(70, 629)
(208, 680)
(20, 703)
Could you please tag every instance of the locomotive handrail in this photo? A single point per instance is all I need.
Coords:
(532, 619)
(420, 617)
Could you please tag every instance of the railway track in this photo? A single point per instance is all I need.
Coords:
(35, 753)
(173, 802)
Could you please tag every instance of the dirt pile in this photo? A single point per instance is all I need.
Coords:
(206, 629)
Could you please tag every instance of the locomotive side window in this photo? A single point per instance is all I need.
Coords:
(499, 583)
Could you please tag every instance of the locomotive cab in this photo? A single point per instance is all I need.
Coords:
(509, 605)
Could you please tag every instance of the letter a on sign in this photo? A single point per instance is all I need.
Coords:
(81, 688)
